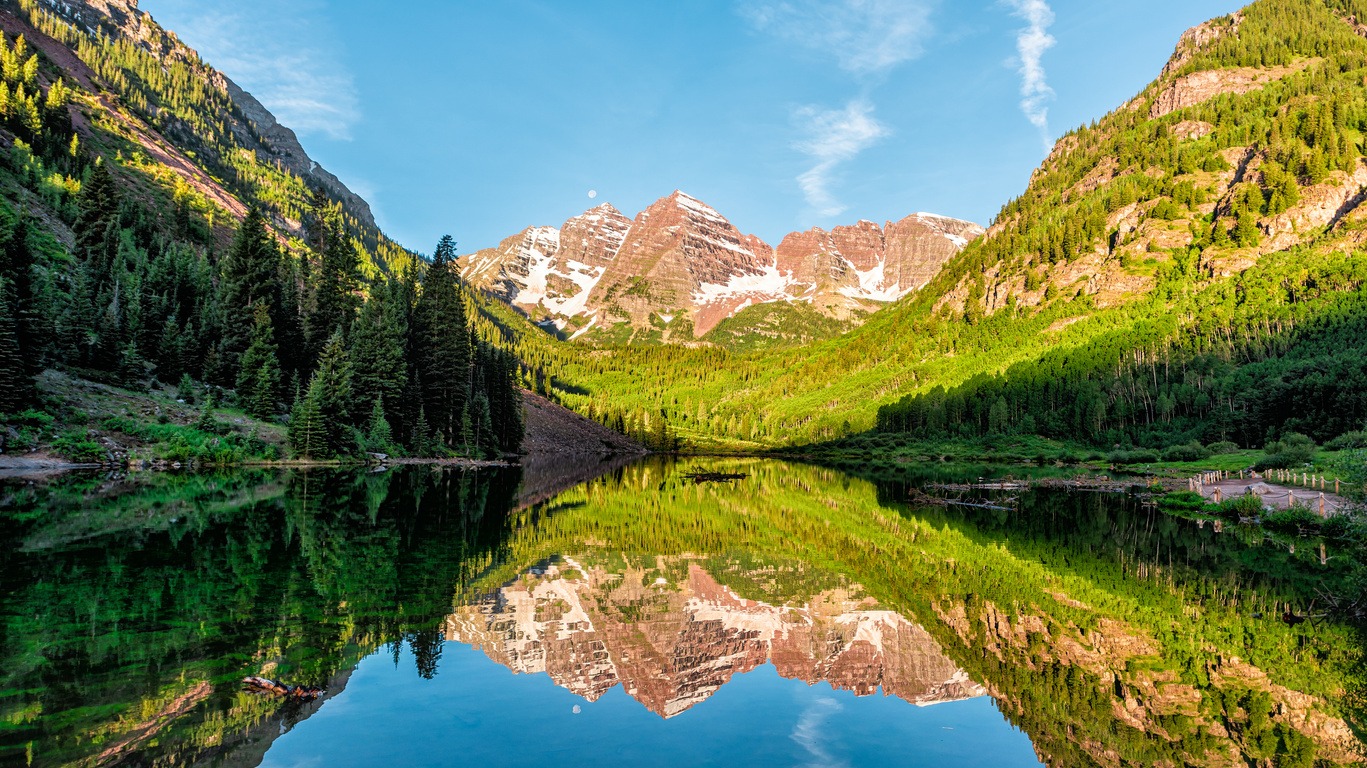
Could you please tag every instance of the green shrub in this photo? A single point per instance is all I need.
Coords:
(1183, 501)
(1293, 450)
(1348, 441)
(1192, 451)
(75, 446)
(1343, 529)
(1293, 520)
(1140, 456)
(1222, 448)
(28, 418)
(1239, 507)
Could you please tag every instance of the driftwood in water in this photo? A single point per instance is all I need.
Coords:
(1004, 485)
(699, 477)
(1099, 483)
(297, 692)
(917, 497)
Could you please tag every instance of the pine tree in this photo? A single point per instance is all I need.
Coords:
(444, 358)
(258, 377)
(482, 435)
(334, 397)
(250, 275)
(17, 390)
(206, 421)
(307, 433)
(335, 284)
(186, 389)
(379, 435)
(420, 443)
(289, 323)
(377, 348)
(97, 224)
(404, 295)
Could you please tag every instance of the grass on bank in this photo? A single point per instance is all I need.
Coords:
(87, 422)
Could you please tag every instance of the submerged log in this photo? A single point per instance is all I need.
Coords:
(296, 692)
(699, 477)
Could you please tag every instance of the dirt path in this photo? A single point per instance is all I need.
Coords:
(1274, 496)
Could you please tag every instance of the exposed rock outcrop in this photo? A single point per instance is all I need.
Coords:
(1197, 87)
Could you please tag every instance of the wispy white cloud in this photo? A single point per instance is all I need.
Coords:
(1031, 43)
(281, 53)
(809, 734)
(865, 36)
(832, 137)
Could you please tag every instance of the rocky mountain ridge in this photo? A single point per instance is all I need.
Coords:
(672, 645)
(138, 84)
(255, 126)
(680, 268)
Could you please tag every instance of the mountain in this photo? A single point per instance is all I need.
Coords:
(166, 239)
(1212, 222)
(671, 646)
(680, 268)
(214, 143)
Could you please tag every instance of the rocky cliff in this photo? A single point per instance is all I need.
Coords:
(680, 268)
(671, 645)
(251, 125)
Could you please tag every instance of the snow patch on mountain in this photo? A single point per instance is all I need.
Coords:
(872, 285)
(769, 284)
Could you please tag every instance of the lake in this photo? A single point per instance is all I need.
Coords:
(628, 615)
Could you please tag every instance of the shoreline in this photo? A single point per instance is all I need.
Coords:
(41, 466)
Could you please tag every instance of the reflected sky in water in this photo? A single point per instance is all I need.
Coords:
(477, 712)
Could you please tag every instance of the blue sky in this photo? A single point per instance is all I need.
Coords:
(482, 118)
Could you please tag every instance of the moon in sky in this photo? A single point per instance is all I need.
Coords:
(593, 193)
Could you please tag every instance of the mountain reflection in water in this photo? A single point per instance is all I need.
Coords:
(671, 645)
(750, 621)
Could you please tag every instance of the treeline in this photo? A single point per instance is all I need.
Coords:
(386, 364)
(1157, 384)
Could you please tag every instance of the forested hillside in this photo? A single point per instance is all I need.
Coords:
(1209, 225)
(1186, 268)
(123, 262)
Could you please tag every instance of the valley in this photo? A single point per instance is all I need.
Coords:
(645, 486)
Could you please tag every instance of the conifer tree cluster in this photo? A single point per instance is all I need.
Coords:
(397, 370)
(385, 364)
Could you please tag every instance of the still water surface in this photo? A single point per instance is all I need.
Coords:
(801, 616)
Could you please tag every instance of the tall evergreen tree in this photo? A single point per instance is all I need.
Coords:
(97, 224)
(377, 349)
(482, 436)
(336, 281)
(250, 275)
(258, 377)
(16, 266)
(334, 397)
(17, 390)
(289, 324)
(444, 357)
(307, 434)
(410, 404)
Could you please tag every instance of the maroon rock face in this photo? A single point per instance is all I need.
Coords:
(671, 646)
(681, 258)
